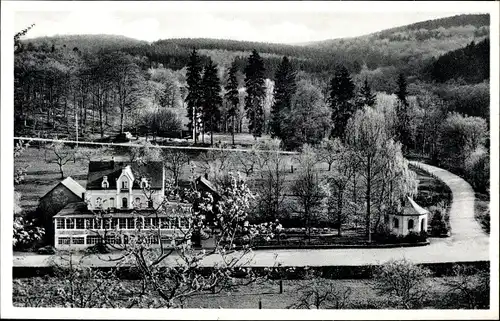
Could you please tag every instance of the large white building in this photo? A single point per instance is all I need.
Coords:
(121, 200)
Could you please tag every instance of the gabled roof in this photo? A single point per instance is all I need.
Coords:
(412, 209)
(153, 171)
(73, 186)
(207, 184)
(70, 184)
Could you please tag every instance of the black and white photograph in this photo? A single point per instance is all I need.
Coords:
(249, 160)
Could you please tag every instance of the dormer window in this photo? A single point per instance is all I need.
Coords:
(124, 184)
(144, 183)
(105, 183)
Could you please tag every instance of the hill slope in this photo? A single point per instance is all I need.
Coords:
(87, 42)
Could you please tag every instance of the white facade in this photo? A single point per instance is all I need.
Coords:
(404, 224)
(84, 231)
(124, 196)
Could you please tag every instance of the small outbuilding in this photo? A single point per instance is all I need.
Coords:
(65, 192)
(408, 217)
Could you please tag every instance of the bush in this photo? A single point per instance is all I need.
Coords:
(402, 282)
(439, 223)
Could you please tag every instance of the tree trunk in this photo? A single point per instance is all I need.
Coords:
(368, 200)
(232, 129)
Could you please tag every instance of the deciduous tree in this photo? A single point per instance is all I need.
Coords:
(255, 93)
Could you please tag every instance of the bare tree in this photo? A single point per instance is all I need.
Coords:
(320, 293)
(308, 188)
(60, 154)
(174, 162)
(469, 287)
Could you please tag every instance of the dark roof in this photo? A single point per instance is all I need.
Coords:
(207, 184)
(79, 209)
(153, 171)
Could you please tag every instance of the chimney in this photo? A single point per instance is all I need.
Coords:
(112, 164)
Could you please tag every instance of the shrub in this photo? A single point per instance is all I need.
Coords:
(439, 223)
(402, 282)
(469, 288)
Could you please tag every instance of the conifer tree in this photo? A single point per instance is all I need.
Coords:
(211, 98)
(341, 100)
(284, 90)
(232, 95)
(366, 97)
(256, 93)
(193, 99)
(403, 130)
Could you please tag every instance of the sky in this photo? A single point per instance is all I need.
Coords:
(270, 26)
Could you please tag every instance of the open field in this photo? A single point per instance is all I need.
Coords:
(363, 295)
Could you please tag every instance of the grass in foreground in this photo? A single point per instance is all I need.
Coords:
(39, 292)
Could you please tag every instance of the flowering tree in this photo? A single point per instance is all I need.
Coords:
(171, 266)
(403, 282)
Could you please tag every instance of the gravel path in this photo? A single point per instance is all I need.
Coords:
(468, 242)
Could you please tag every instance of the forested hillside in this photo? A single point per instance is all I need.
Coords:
(85, 42)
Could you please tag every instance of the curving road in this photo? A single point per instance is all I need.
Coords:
(467, 243)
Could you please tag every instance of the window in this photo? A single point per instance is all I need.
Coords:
(150, 203)
(147, 222)
(60, 223)
(173, 222)
(112, 202)
(138, 222)
(106, 223)
(105, 183)
(63, 240)
(153, 239)
(124, 184)
(144, 183)
(93, 239)
(123, 223)
(124, 202)
(78, 240)
(125, 239)
(80, 224)
(114, 223)
(422, 225)
(112, 239)
(183, 222)
(98, 202)
(130, 223)
(410, 224)
(154, 222)
(137, 202)
(166, 239)
(395, 223)
(70, 223)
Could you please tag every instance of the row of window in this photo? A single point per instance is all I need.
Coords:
(124, 203)
(128, 223)
(105, 184)
(110, 239)
(395, 223)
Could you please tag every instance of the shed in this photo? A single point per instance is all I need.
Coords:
(65, 192)
(408, 217)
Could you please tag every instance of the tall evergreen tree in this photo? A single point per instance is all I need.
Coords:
(284, 89)
(232, 96)
(193, 99)
(403, 121)
(366, 97)
(211, 98)
(341, 100)
(256, 93)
